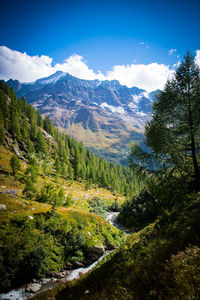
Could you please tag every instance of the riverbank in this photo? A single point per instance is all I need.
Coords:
(37, 286)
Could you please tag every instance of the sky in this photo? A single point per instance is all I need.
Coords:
(138, 42)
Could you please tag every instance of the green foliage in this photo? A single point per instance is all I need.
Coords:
(116, 206)
(70, 158)
(30, 190)
(2, 134)
(98, 207)
(173, 133)
(140, 211)
(32, 171)
(160, 262)
(32, 246)
(158, 195)
(41, 145)
(15, 164)
(68, 200)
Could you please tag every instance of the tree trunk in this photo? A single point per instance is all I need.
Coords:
(195, 164)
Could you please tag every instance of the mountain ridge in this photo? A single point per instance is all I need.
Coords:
(106, 108)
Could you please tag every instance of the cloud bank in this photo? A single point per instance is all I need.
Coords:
(26, 68)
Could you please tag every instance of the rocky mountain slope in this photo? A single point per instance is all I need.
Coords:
(104, 115)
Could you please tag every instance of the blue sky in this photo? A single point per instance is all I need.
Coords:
(104, 33)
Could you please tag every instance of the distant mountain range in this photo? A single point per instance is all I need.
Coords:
(104, 115)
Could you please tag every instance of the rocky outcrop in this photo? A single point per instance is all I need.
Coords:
(47, 136)
(3, 207)
(12, 192)
(94, 252)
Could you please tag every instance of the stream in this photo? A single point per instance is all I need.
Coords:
(48, 283)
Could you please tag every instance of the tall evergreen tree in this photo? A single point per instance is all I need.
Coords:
(173, 134)
(15, 164)
(41, 143)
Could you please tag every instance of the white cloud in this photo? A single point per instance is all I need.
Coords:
(172, 51)
(21, 66)
(148, 77)
(197, 58)
(26, 68)
(76, 66)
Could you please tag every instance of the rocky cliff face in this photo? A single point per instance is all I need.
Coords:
(102, 114)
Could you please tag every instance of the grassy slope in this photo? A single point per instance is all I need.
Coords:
(95, 230)
(112, 145)
(79, 194)
(162, 261)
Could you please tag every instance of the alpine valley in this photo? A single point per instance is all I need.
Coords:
(104, 115)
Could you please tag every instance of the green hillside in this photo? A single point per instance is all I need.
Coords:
(54, 195)
(161, 259)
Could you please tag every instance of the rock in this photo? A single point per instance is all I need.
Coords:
(58, 275)
(93, 254)
(3, 207)
(12, 192)
(95, 250)
(61, 275)
(44, 280)
(33, 287)
(17, 150)
(77, 264)
(62, 280)
(52, 274)
(47, 136)
(68, 266)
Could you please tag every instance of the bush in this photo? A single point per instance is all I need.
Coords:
(140, 211)
(116, 206)
(97, 207)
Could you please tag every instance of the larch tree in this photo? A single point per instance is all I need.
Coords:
(173, 134)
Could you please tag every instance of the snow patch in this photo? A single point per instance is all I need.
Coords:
(137, 98)
(54, 78)
(139, 113)
(114, 109)
(132, 105)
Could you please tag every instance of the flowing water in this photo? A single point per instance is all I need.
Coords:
(21, 294)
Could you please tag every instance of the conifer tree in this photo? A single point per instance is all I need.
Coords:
(41, 143)
(30, 189)
(15, 164)
(4, 109)
(173, 133)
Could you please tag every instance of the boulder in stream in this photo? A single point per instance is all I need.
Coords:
(33, 287)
